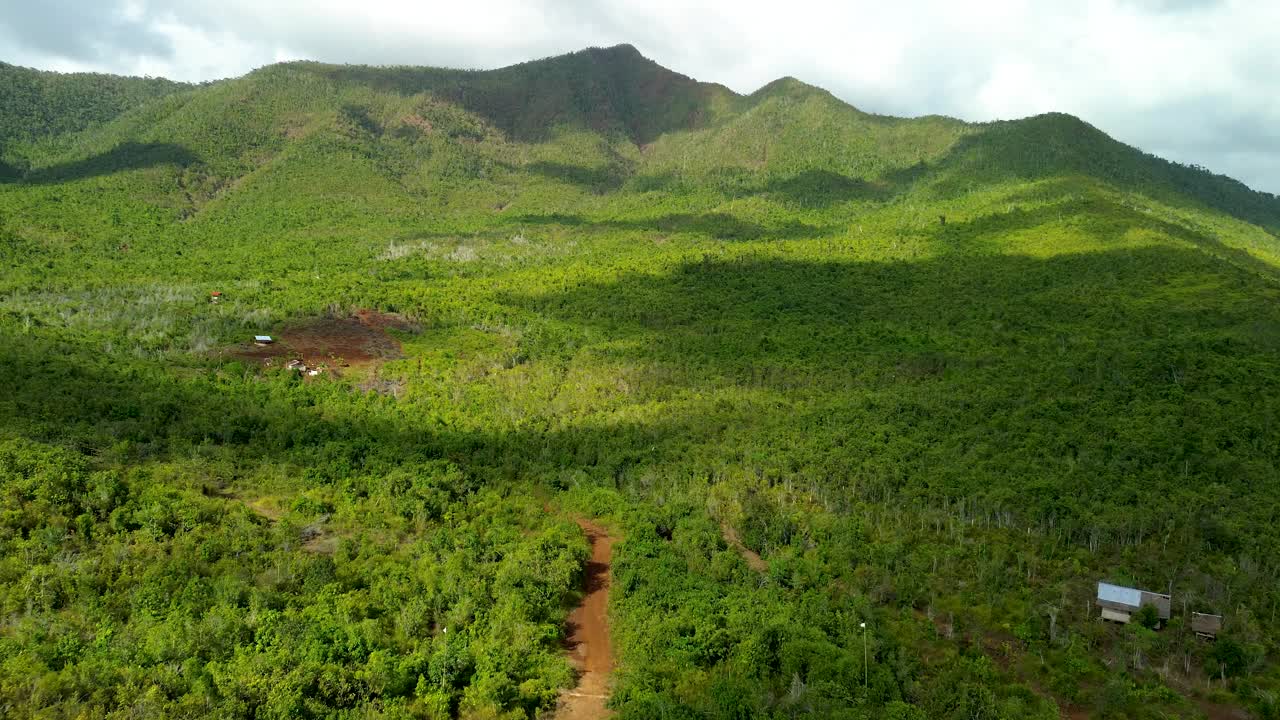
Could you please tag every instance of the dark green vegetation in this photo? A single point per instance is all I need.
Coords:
(644, 299)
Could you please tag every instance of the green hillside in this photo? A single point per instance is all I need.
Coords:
(941, 377)
(35, 105)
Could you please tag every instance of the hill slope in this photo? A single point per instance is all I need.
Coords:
(941, 378)
(35, 104)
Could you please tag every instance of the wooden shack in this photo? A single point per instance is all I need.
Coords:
(1119, 603)
(1206, 626)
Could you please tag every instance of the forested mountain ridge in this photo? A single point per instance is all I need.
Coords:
(618, 96)
(609, 90)
(941, 377)
(36, 104)
(618, 102)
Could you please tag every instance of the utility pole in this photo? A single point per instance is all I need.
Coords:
(863, 625)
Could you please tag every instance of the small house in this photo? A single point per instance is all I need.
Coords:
(1119, 603)
(215, 297)
(262, 340)
(1206, 626)
(297, 365)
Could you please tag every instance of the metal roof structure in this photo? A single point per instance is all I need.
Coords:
(1127, 599)
(1205, 624)
(1120, 594)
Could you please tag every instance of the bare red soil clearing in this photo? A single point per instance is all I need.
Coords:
(588, 635)
(333, 342)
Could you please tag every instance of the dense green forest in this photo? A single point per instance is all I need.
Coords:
(941, 377)
(36, 105)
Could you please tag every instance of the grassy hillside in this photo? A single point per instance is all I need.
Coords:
(941, 377)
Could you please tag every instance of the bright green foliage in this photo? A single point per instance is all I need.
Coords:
(131, 592)
(941, 377)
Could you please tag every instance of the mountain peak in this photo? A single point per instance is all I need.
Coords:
(623, 53)
(787, 85)
(623, 49)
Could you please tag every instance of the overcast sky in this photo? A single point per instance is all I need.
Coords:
(1196, 81)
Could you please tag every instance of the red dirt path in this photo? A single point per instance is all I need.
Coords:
(754, 561)
(588, 635)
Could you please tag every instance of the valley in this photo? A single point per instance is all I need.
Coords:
(840, 415)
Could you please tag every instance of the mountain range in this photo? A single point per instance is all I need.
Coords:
(869, 405)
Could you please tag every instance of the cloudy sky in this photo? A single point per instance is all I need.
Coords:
(1196, 81)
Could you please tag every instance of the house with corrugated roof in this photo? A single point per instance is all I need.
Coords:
(1206, 626)
(1119, 603)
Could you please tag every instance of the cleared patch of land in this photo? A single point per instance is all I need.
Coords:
(359, 340)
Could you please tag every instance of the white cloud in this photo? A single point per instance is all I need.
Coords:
(1195, 80)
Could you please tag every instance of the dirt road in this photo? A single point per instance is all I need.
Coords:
(588, 635)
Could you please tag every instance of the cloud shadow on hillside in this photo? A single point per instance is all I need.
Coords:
(720, 226)
(9, 173)
(810, 188)
(72, 394)
(749, 311)
(1058, 146)
(932, 369)
(1098, 216)
(1037, 149)
(1066, 355)
(121, 158)
(824, 188)
(598, 180)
